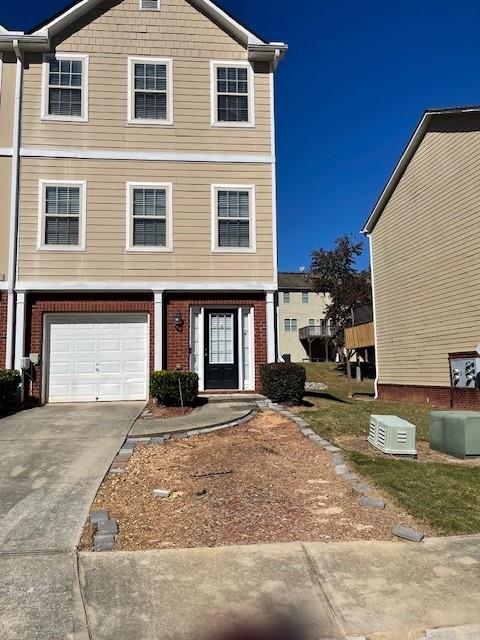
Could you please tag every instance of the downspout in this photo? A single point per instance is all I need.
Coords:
(377, 373)
(14, 210)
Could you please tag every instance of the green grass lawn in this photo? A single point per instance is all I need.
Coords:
(446, 496)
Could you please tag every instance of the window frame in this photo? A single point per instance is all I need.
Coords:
(214, 65)
(143, 9)
(307, 294)
(290, 322)
(286, 297)
(215, 248)
(130, 247)
(45, 94)
(82, 222)
(132, 60)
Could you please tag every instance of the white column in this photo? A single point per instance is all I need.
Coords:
(158, 319)
(270, 327)
(9, 346)
(20, 329)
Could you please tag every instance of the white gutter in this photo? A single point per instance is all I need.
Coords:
(13, 236)
(377, 375)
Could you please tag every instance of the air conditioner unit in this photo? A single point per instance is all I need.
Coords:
(392, 434)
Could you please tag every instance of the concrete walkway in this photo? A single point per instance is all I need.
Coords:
(395, 590)
(212, 414)
(52, 462)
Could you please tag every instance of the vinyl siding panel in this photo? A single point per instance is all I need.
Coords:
(7, 99)
(120, 30)
(106, 259)
(5, 185)
(426, 258)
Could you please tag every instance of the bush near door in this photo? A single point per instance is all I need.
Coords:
(165, 388)
(283, 382)
(9, 382)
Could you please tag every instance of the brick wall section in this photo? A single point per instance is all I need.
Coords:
(178, 342)
(3, 327)
(40, 304)
(435, 396)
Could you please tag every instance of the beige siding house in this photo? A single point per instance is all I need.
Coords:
(303, 333)
(143, 137)
(424, 234)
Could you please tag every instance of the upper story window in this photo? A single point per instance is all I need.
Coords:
(286, 297)
(305, 297)
(65, 87)
(150, 99)
(232, 94)
(233, 212)
(149, 217)
(62, 212)
(150, 5)
(290, 325)
(311, 322)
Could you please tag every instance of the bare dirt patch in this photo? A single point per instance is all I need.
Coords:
(261, 482)
(154, 410)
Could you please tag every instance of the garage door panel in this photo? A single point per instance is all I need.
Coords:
(104, 360)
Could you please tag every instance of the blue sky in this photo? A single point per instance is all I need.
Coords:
(349, 93)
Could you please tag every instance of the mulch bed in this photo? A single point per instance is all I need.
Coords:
(261, 482)
(155, 410)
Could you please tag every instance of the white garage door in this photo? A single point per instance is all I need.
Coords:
(97, 357)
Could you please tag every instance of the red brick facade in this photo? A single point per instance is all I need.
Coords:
(3, 327)
(178, 342)
(40, 304)
(442, 397)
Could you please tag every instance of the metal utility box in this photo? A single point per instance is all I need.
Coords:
(392, 434)
(465, 372)
(455, 432)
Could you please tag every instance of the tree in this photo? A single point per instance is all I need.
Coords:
(334, 272)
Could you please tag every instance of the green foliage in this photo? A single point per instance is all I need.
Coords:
(334, 272)
(9, 383)
(165, 388)
(283, 382)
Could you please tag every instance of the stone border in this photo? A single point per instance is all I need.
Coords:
(126, 450)
(342, 469)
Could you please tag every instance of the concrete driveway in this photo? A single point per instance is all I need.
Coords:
(52, 461)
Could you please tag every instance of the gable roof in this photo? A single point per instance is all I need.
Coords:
(294, 282)
(406, 157)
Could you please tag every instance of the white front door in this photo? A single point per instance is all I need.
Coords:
(93, 358)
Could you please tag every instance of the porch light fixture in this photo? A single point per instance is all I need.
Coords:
(178, 321)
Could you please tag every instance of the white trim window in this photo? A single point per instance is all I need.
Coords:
(233, 218)
(62, 215)
(232, 94)
(290, 325)
(150, 91)
(65, 87)
(149, 217)
(149, 5)
(286, 297)
(305, 297)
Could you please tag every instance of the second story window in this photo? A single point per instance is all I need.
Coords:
(232, 94)
(286, 297)
(290, 325)
(150, 91)
(65, 93)
(62, 216)
(149, 217)
(234, 218)
(304, 297)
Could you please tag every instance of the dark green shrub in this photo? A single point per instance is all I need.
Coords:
(164, 387)
(9, 382)
(282, 382)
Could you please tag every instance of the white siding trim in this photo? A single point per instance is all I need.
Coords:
(274, 176)
(168, 62)
(122, 285)
(6, 152)
(129, 235)
(214, 64)
(377, 370)
(168, 156)
(252, 218)
(271, 355)
(158, 329)
(82, 223)
(20, 329)
(85, 60)
(3, 285)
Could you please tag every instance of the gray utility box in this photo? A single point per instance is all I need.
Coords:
(455, 432)
(392, 434)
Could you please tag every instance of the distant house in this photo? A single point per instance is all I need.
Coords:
(303, 332)
(425, 236)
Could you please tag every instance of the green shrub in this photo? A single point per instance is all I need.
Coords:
(164, 387)
(9, 383)
(283, 382)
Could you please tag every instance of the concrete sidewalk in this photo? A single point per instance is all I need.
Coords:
(397, 590)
